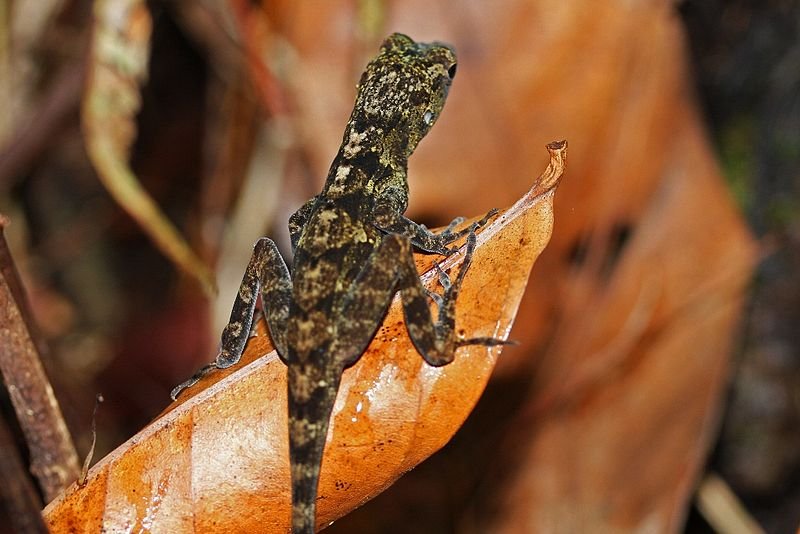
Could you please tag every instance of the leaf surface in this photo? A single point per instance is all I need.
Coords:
(218, 459)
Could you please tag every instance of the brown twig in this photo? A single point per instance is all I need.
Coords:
(54, 460)
(18, 494)
(61, 100)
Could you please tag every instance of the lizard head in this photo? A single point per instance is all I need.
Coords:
(403, 90)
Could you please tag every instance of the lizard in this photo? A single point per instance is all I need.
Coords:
(352, 253)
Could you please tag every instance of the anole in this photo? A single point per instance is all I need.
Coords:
(352, 254)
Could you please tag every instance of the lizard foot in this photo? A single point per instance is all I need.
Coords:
(192, 381)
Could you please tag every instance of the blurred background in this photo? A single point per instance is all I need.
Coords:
(657, 341)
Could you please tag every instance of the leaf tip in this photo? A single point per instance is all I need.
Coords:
(551, 176)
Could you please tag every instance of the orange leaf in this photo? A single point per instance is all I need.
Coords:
(219, 458)
(626, 328)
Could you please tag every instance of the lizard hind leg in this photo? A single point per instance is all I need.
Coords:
(436, 341)
(266, 272)
(447, 301)
(390, 269)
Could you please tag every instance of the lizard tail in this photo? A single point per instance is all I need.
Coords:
(308, 429)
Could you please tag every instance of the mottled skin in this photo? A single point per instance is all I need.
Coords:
(352, 253)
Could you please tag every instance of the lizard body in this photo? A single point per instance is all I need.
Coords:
(352, 253)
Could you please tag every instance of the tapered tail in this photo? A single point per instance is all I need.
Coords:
(309, 414)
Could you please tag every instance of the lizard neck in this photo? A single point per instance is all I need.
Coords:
(388, 137)
(372, 158)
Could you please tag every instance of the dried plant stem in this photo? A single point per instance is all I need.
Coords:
(722, 509)
(18, 494)
(54, 461)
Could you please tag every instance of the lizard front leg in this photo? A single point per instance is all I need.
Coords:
(390, 220)
(268, 273)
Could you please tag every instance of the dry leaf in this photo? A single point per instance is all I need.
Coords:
(625, 404)
(625, 330)
(118, 65)
(219, 458)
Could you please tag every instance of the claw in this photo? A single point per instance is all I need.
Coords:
(444, 281)
(446, 251)
(435, 297)
(192, 381)
(489, 214)
(455, 222)
(444, 278)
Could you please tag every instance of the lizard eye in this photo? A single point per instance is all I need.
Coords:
(452, 70)
(427, 118)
